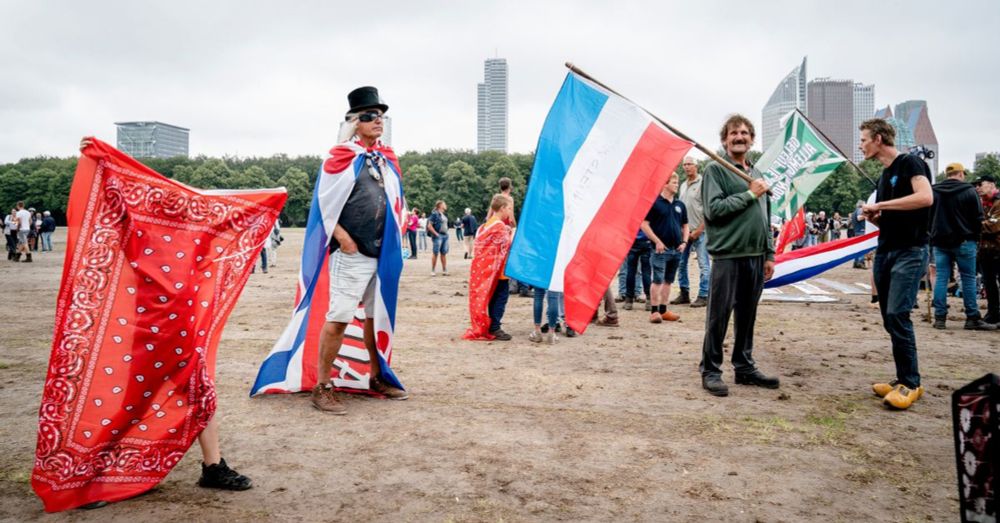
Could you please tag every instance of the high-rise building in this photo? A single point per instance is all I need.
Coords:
(864, 107)
(914, 114)
(152, 139)
(790, 94)
(492, 107)
(386, 130)
(831, 108)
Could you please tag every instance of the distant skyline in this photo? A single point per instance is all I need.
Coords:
(256, 78)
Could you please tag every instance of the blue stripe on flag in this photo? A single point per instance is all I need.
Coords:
(572, 116)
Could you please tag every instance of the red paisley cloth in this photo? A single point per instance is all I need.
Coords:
(153, 268)
(491, 248)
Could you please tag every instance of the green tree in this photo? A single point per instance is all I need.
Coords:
(254, 177)
(463, 188)
(988, 165)
(213, 174)
(299, 188)
(419, 188)
(504, 166)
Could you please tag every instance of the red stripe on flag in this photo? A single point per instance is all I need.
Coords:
(607, 240)
(316, 319)
(793, 230)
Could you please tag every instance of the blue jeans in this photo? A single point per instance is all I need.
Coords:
(897, 276)
(422, 239)
(440, 243)
(700, 247)
(498, 304)
(664, 265)
(622, 273)
(638, 256)
(412, 236)
(553, 312)
(46, 241)
(965, 257)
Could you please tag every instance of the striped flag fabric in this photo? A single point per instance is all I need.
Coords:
(802, 264)
(292, 364)
(601, 160)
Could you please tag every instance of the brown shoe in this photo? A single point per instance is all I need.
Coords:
(388, 391)
(670, 316)
(325, 399)
(607, 322)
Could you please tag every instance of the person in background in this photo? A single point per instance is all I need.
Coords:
(48, 227)
(412, 224)
(422, 231)
(989, 246)
(469, 226)
(437, 229)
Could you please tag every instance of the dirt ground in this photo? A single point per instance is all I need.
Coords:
(612, 425)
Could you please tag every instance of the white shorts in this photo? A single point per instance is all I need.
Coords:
(352, 281)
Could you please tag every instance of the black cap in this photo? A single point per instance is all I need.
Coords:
(985, 178)
(365, 98)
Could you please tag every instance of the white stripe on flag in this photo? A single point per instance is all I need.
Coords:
(593, 173)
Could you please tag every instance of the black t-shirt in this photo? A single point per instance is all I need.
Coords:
(666, 219)
(902, 229)
(469, 225)
(363, 216)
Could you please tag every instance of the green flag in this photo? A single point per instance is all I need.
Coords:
(795, 164)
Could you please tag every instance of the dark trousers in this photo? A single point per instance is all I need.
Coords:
(11, 243)
(638, 255)
(498, 303)
(412, 235)
(897, 276)
(734, 290)
(989, 265)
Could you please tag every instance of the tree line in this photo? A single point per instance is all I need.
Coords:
(460, 178)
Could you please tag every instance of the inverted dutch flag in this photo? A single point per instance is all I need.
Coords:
(600, 163)
(802, 264)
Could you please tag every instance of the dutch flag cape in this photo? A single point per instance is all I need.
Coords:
(600, 163)
(291, 365)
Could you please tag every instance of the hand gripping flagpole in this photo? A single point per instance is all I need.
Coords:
(672, 129)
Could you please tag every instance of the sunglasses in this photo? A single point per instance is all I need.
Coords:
(370, 116)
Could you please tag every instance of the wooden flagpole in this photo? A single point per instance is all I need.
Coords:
(711, 154)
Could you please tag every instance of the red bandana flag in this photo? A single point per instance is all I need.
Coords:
(491, 248)
(153, 268)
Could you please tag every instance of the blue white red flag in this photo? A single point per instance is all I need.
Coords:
(802, 264)
(600, 162)
(291, 365)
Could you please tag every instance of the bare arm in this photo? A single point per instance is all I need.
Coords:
(347, 245)
(660, 247)
(923, 196)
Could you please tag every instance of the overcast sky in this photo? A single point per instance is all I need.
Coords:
(259, 78)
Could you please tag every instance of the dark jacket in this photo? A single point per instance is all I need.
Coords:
(48, 224)
(957, 214)
(989, 242)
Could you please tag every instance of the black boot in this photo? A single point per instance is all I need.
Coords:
(939, 322)
(682, 299)
(977, 324)
(27, 257)
(220, 476)
(715, 386)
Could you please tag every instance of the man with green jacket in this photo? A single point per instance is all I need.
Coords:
(737, 218)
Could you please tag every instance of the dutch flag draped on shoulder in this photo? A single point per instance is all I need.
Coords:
(600, 162)
(291, 365)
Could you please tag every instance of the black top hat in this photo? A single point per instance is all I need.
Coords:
(365, 98)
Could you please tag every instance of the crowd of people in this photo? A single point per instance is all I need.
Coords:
(27, 231)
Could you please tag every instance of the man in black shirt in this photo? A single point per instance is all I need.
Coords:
(902, 211)
(666, 225)
(469, 226)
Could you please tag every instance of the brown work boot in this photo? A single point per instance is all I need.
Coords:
(325, 399)
(607, 321)
(388, 391)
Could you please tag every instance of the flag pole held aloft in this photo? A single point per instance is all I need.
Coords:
(672, 129)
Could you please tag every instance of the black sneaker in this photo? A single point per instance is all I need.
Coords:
(758, 379)
(570, 333)
(500, 335)
(558, 327)
(715, 386)
(939, 322)
(545, 328)
(977, 324)
(220, 476)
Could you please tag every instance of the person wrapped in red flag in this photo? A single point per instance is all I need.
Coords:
(153, 268)
(488, 287)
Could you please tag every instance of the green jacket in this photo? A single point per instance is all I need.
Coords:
(737, 223)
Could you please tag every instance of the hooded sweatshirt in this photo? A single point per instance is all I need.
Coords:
(957, 214)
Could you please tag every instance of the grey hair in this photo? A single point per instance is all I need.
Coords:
(348, 128)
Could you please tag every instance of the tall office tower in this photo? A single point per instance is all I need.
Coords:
(864, 107)
(152, 139)
(492, 107)
(831, 108)
(791, 93)
(914, 114)
(387, 130)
